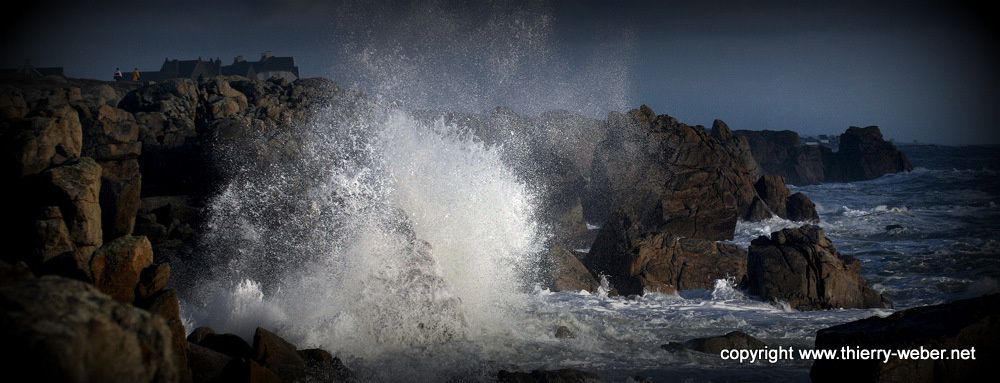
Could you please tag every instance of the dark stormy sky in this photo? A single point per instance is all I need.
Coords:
(922, 70)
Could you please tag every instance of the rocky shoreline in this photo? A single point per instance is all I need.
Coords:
(111, 181)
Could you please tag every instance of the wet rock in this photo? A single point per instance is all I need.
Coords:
(893, 227)
(324, 367)
(801, 209)
(563, 332)
(207, 365)
(568, 273)
(732, 340)
(671, 176)
(199, 334)
(959, 325)
(117, 266)
(276, 354)
(801, 267)
(865, 155)
(229, 344)
(246, 370)
(565, 375)
(67, 331)
(758, 211)
(636, 260)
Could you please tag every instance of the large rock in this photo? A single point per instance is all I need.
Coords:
(671, 176)
(961, 325)
(61, 330)
(800, 266)
(117, 266)
(47, 138)
(800, 208)
(76, 187)
(865, 155)
(636, 261)
(568, 273)
(734, 340)
(277, 355)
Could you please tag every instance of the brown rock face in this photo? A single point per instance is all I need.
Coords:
(47, 138)
(76, 188)
(801, 267)
(568, 273)
(636, 261)
(121, 183)
(959, 325)
(800, 208)
(773, 192)
(671, 176)
(66, 331)
(117, 265)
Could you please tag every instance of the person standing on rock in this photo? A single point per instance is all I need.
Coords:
(135, 75)
(118, 74)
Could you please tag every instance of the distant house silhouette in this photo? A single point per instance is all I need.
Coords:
(269, 66)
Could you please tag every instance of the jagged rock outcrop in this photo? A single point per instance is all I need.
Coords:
(671, 176)
(62, 330)
(636, 260)
(862, 155)
(865, 155)
(960, 325)
(800, 266)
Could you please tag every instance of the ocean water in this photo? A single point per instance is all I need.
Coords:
(407, 249)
